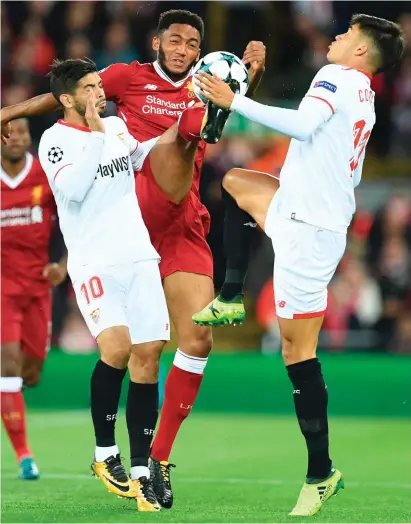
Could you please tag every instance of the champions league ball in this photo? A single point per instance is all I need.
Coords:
(226, 66)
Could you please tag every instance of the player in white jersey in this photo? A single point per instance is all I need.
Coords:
(306, 215)
(89, 163)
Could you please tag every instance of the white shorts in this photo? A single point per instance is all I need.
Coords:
(306, 258)
(126, 295)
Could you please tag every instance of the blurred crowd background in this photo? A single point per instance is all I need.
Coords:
(370, 296)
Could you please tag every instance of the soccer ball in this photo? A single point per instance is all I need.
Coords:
(226, 66)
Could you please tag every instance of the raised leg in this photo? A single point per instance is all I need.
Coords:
(172, 158)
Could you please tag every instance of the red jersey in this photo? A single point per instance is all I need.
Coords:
(149, 102)
(28, 211)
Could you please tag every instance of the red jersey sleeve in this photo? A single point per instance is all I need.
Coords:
(116, 78)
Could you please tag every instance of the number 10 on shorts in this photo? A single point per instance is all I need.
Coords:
(93, 288)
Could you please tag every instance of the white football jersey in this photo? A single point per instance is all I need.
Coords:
(91, 176)
(319, 175)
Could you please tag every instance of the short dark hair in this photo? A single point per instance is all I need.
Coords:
(386, 36)
(180, 16)
(65, 75)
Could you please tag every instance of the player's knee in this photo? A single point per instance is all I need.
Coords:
(199, 345)
(144, 362)
(287, 351)
(229, 182)
(293, 353)
(10, 361)
(117, 357)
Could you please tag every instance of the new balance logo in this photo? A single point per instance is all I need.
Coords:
(250, 224)
(152, 87)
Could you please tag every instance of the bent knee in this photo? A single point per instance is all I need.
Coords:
(144, 369)
(144, 362)
(117, 358)
(230, 181)
(10, 360)
(199, 346)
(293, 353)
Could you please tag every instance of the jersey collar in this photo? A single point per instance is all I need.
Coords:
(11, 182)
(165, 77)
(360, 71)
(74, 126)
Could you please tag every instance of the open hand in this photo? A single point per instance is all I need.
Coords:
(215, 90)
(55, 273)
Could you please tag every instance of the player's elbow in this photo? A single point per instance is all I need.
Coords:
(304, 134)
(72, 194)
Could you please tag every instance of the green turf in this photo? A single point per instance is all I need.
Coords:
(231, 468)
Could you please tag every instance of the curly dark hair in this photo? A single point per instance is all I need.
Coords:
(180, 16)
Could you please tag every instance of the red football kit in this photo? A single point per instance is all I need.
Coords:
(27, 214)
(149, 102)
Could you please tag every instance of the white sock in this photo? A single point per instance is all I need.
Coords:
(11, 384)
(103, 453)
(188, 363)
(136, 472)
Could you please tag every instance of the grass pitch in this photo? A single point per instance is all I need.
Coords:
(231, 468)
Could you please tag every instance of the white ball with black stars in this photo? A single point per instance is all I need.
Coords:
(55, 155)
(227, 67)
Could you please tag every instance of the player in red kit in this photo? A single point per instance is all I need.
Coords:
(28, 213)
(150, 98)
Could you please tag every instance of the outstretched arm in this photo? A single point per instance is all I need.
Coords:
(39, 105)
(299, 124)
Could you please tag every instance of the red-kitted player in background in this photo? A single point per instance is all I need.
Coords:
(28, 214)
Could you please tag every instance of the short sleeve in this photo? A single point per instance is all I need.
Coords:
(116, 78)
(327, 87)
(54, 155)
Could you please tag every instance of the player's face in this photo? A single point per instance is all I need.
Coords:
(346, 45)
(90, 82)
(18, 143)
(178, 48)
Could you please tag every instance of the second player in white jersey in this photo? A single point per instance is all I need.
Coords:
(306, 214)
(91, 176)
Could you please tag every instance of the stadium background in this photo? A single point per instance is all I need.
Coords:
(366, 342)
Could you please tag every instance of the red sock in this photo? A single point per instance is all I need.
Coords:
(13, 415)
(191, 123)
(181, 390)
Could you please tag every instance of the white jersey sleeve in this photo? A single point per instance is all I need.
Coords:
(318, 106)
(71, 171)
(138, 150)
(299, 124)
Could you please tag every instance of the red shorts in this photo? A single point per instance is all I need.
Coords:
(177, 231)
(27, 320)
